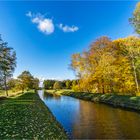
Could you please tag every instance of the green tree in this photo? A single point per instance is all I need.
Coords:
(48, 84)
(63, 84)
(35, 84)
(57, 85)
(7, 62)
(135, 20)
(11, 84)
(68, 84)
(25, 81)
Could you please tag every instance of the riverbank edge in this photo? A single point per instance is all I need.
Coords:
(66, 137)
(120, 101)
(36, 106)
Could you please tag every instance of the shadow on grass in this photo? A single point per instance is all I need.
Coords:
(26, 117)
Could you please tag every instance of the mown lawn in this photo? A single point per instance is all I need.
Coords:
(57, 92)
(26, 117)
(11, 93)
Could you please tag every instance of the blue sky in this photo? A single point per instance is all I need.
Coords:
(45, 34)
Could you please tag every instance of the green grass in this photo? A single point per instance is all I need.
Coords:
(11, 93)
(26, 117)
(57, 92)
(124, 101)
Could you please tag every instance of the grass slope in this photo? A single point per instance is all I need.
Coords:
(124, 101)
(27, 117)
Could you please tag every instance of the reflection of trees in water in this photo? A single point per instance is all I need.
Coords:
(102, 121)
(47, 95)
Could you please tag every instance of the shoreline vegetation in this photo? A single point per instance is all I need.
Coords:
(121, 101)
(26, 117)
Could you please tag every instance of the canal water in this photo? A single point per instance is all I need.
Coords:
(86, 120)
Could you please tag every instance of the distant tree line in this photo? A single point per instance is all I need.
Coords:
(55, 84)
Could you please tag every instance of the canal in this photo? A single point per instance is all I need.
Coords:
(86, 120)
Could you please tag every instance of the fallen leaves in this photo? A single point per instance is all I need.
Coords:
(26, 117)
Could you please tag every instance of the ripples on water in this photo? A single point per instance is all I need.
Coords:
(83, 119)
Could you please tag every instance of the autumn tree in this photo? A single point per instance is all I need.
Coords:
(130, 48)
(109, 66)
(94, 66)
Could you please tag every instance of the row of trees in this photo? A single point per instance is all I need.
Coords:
(110, 66)
(25, 81)
(55, 84)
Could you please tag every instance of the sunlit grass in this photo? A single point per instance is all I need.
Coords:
(11, 93)
(26, 117)
(58, 92)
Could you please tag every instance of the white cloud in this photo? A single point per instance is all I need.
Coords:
(29, 14)
(45, 25)
(66, 28)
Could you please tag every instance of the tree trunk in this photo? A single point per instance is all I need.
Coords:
(5, 84)
(135, 75)
(98, 87)
(22, 90)
(111, 87)
(103, 87)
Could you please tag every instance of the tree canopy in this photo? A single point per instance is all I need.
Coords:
(7, 62)
(109, 66)
(26, 81)
(135, 20)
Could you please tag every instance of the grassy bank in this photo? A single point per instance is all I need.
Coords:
(11, 93)
(124, 101)
(57, 92)
(26, 117)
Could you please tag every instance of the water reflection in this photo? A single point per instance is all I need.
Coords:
(46, 95)
(83, 119)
